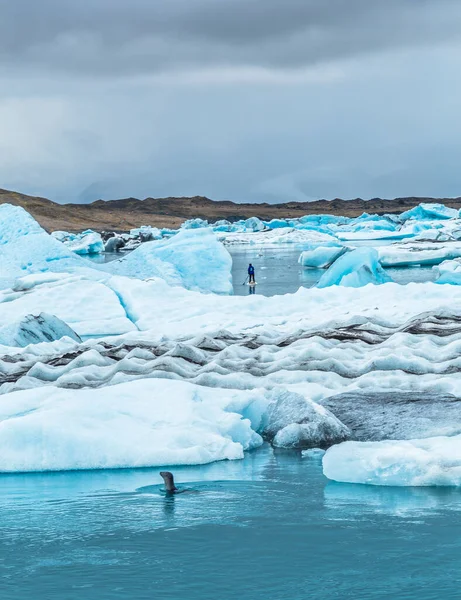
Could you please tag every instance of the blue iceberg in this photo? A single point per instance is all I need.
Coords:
(355, 269)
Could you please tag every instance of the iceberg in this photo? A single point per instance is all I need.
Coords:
(282, 235)
(137, 424)
(26, 248)
(321, 257)
(194, 259)
(355, 269)
(155, 422)
(418, 253)
(33, 329)
(87, 242)
(89, 307)
(449, 272)
(254, 224)
(429, 211)
(194, 224)
(425, 462)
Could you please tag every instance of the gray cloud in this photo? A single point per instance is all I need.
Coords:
(249, 100)
(129, 37)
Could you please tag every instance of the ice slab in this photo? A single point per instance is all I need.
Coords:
(321, 257)
(418, 253)
(137, 424)
(282, 235)
(89, 307)
(426, 462)
(355, 269)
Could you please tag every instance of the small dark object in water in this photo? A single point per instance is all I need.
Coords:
(169, 482)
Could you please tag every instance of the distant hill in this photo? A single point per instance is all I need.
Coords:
(125, 214)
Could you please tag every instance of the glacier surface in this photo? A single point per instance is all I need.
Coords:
(193, 377)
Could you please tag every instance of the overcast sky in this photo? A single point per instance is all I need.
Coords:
(247, 100)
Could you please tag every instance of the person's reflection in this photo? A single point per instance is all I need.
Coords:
(169, 505)
(251, 289)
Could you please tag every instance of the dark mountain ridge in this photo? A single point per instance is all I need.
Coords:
(126, 213)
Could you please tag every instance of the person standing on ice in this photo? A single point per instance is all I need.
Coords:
(251, 273)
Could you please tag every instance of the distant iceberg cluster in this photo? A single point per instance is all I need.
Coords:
(149, 360)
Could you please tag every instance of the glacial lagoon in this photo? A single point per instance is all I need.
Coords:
(269, 526)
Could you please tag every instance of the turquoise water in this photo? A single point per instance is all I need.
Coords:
(270, 526)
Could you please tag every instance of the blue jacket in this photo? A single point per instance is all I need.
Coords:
(251, 270)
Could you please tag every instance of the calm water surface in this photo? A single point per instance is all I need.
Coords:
(278, 271)
(270, 526)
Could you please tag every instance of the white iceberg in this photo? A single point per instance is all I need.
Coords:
(149, 422)
(355, 269)
(418, 253)
(282, 235)
(425, 462)
(138, 424)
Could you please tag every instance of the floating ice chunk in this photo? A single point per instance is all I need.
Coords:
(35, 329)
(283, 235)
(449, 272)
(429, 211)
(432, 235)
(313, 453)
(138, 424)
(146, 233)
(321, 257)
(194, 224)
(355, 269)
(276, 223)
(195, 260)
(427, 462)
(254, 224)
(222, 225)
(420, 253)
(88, 242)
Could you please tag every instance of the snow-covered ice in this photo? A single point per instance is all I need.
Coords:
(192, 377)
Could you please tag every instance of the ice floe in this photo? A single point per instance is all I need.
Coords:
(87, 242)
(355, 269)
(426, 462)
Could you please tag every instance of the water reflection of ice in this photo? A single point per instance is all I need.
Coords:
(350, 500)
